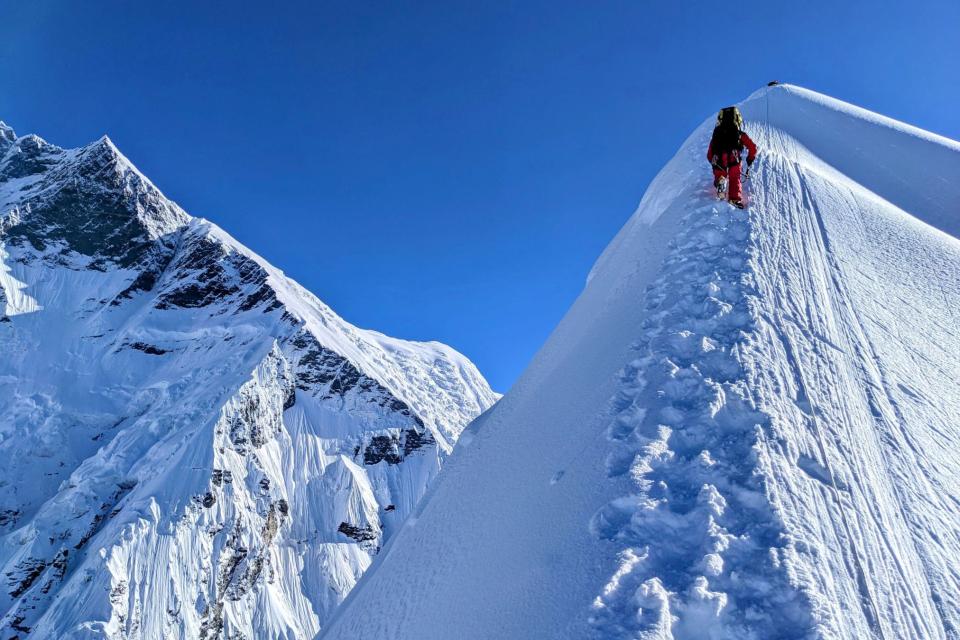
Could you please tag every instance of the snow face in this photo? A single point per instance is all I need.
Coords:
(744, 428)
(195, 446)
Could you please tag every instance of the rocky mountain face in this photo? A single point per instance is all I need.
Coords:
(194, 445)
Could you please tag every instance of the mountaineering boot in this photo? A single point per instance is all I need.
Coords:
(737, 203)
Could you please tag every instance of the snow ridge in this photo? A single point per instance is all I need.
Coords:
(841, 462)
(780, 460)
(703, 549)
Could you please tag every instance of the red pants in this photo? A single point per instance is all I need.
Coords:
(733, 180)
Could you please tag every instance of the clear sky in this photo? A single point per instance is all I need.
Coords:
(443, 170)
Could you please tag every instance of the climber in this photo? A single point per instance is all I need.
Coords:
(724, 151)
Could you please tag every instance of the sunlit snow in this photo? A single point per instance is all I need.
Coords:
(194, 446)
(745, 428)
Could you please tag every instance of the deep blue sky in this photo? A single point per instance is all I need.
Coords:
(443, 170)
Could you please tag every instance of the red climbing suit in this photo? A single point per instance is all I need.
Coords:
(728, 163)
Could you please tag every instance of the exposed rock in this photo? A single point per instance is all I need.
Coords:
(148, 348)
(363, 535)
(95, 204)
(393, 448)
(220, 476)
(23, 575)
(9, 517)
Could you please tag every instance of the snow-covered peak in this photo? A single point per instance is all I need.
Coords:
(744, 428)
(196, 446)
(87, 205)
(103, 151)
(385, 357)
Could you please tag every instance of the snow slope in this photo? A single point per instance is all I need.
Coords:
(193, 444)
(744, 428)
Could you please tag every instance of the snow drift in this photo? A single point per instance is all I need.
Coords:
(194, 446)
(745, 427)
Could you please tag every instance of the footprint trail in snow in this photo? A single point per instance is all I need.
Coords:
(701, 546)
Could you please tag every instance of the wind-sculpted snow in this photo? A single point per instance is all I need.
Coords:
(194, 445)
(744, 428)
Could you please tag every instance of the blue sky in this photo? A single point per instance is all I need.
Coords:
(443, 170)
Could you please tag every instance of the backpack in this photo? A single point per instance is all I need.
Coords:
(726, 135)
(730, 116)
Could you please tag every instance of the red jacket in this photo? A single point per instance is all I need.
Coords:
(728, 158)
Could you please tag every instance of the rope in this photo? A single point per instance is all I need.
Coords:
(767, 96)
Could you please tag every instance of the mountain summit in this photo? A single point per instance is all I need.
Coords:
(194, 446)
(745, 428)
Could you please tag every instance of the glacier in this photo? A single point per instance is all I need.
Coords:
(745, 427)
(194, 445)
